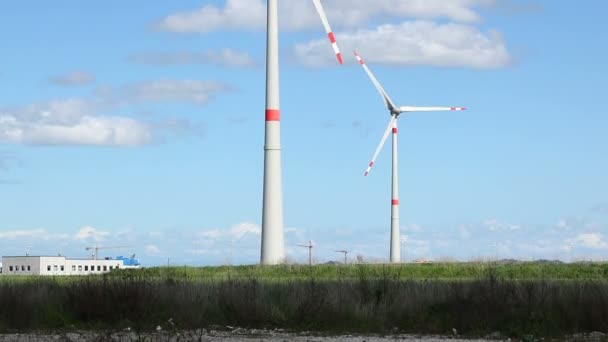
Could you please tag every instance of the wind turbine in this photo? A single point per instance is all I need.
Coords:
(273, 246)
(394, 111)
(309, 246)
(345, 253)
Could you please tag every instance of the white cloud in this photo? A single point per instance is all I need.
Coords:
(211, 234)
(414, 43)
(499, 226)
(415, 247)
(236, 232)
(237, 14)
(152, 249)
(413, 227)
(301, 15)
(290, 230)
(70, 122)
(76, 121)
(225, 58)
(240, 230)
(88, 232)
(17, 234)
(591, 240)
(74, 78)
(192, 91)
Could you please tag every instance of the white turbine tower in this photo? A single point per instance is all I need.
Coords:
(273, 246)
(395, 253)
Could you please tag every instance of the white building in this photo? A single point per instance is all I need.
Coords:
(57, 265)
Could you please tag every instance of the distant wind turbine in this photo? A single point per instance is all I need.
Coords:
(394, 111)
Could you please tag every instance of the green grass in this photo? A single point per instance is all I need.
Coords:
(435, 271)
(474, 298)
(431, 271)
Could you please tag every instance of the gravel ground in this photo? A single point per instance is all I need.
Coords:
(205, 335)
(255, 335)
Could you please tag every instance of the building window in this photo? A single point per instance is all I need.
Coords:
(73, 267)
(86, 267)
(118, 266)
(55, 268)
(105, 268)
(92, 268)
(10, 268)
(29, 268)
(62, 268)
(23, 268)
(48, 268)
(111, 267)
(80, 268)
(98, 267)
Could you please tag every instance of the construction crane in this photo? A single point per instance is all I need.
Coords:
(97, 248)
(309, 246)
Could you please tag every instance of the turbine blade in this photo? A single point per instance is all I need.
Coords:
(379, 148)
(387, 100)
(428, 109)
(330, 33)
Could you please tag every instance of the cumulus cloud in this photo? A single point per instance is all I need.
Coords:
(152, 249)
(70, 122)
(413, 227)
(168, 90)
(227, 57)
(74, 78)
(198, 92)
(590, 240)
(414, 43)
(80, 121)
(235, 232)
(424, 39)
(301, 15)
(499, 226)
(240, 230)
(17, 234)
(237, 14)
(88, 232)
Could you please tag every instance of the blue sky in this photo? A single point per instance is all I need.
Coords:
(141, 124)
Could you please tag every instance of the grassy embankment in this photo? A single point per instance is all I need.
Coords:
(475, 299)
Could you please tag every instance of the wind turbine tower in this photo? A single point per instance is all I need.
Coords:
(273, 245)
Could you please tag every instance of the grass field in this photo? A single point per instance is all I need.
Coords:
(473, 298)
(435, 271)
